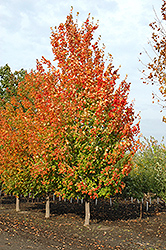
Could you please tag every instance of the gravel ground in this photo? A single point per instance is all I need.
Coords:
(116, 227)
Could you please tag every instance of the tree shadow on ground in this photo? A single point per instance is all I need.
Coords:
(102, 211)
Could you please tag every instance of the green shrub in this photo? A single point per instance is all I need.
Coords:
(148, 173)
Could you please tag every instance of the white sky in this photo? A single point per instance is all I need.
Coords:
(124, 29)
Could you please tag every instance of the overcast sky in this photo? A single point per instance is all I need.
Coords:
(124, 29)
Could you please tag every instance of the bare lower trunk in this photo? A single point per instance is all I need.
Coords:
(17, 204)
(87, 213)
(47, 215)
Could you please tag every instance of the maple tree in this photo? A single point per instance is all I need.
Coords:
(8, 91)
(43, 127)
(154, 71)
(25, 140)
(12, 177)
(99, 123)
(14, 169)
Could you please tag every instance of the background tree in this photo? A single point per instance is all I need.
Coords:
(148, 174)
(155, 71)
(9, 82)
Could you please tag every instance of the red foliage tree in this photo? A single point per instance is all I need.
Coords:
(99, 124)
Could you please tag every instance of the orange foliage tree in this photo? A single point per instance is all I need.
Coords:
(98, 122)
(28, 135)
(15, 157)
(8, 89)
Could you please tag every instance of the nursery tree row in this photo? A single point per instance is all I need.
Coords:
(68, 128)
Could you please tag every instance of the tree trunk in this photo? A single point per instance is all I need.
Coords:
(17, 204)
(87, 213)
(47, 215)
